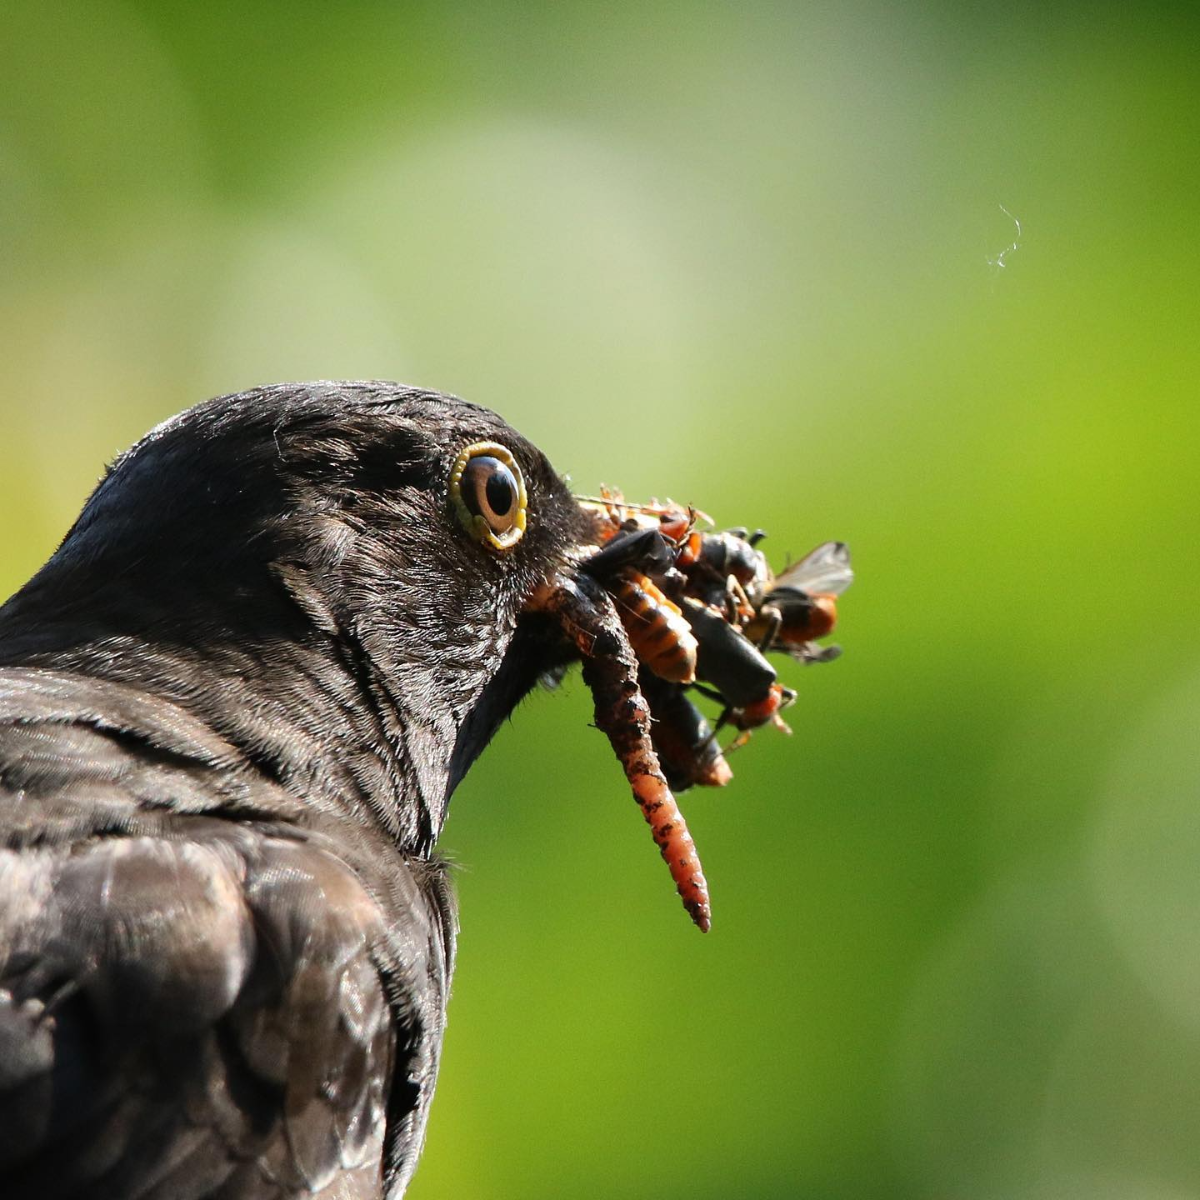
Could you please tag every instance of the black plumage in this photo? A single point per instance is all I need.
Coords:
(233, 708)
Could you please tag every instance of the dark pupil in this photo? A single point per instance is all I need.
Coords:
(500, 491)
(490, 491)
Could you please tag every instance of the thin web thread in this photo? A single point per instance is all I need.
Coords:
(999, 261)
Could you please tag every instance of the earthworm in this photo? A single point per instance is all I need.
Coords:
(589, 618)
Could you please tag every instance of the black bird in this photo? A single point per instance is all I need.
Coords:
(233, 707)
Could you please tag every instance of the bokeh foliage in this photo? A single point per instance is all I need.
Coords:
(748, 256)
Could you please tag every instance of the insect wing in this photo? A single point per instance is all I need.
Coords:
(810, 652)
(825, 571)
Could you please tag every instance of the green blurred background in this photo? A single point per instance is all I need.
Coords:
(752, 256)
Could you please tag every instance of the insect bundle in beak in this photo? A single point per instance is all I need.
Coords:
(658, 608)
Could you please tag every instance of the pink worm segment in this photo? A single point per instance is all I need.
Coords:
(589, 618)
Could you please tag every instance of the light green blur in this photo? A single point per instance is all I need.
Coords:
(755, 257)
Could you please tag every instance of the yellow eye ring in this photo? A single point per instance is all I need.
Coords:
(487, 491)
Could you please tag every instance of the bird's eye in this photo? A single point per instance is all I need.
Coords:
(488, 493)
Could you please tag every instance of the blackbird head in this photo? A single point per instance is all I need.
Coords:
(341, 578)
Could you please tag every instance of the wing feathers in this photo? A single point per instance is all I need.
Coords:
(192, 1018)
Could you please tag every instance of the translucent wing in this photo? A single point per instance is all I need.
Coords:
(810, 652)
(826, 570)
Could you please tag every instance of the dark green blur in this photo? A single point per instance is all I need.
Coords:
(753, 257)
